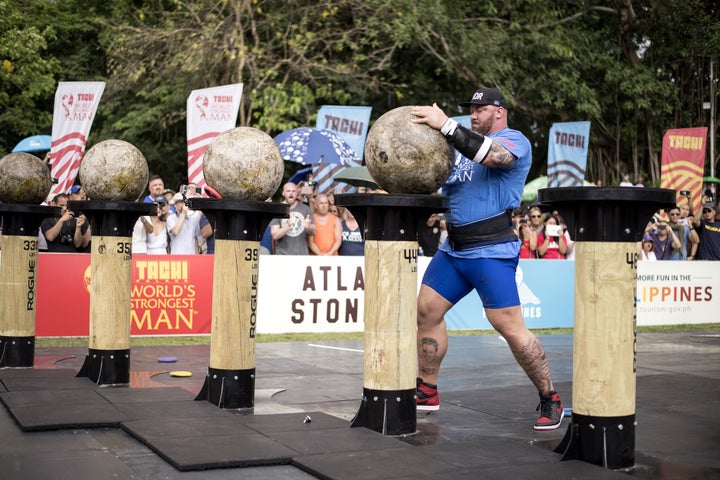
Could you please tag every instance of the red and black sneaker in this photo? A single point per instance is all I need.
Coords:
(427, 396)
(551, 411)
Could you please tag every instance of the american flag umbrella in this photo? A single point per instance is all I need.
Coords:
(311, 146)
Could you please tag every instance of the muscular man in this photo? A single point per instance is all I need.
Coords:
(481, 252)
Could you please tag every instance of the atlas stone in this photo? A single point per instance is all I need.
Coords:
(24, 178)
(406, 157)
(114, 170)
(244, 164)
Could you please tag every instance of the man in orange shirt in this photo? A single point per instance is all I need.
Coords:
(328, 229)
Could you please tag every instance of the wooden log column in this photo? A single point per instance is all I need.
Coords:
(606, 225)
(108, 360)
(390, 224)
(18, 277)
(239, 227)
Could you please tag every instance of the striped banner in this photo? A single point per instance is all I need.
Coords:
(351, 124)
(75, 107)
(567, 154)
(210, 111)
(683, 161)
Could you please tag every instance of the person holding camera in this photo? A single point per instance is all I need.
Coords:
(68, 233)
(156, 228)
(664, 239)
(528, 239)
(551, 242)
(183, 227)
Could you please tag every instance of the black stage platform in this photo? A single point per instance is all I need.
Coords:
(57, 426)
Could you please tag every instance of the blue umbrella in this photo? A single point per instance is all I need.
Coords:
(36, 143)
(311, 146)
(300, 175)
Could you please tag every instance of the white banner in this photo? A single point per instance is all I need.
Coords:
(210, 111)
(301, 293)
(75, 107)
(674, 292)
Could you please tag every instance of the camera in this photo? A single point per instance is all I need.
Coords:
(685, 193)
(523, 221)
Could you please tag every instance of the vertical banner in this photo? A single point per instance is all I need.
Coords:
(350, 124)
(210, 112)
(75, 107)
(683, 161)
(567, 154)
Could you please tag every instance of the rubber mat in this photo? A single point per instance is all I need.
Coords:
(208, 442)
(37, 410)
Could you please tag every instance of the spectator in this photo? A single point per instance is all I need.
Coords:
(626, 181)
(352, 239)
(536, 221)
(687, 219)
(65, 233)
(664, 239)
(139, 237)
(291, 234)
(169, 194)
(639, 181)
(682, 232)
(429, 235)
(156, 228)
(156, 187)
(77, 194)
(645, 250)
(528, 239)
(570, 252)
(708, 229)
(328, 229)
(206, 240)
(551, 241)
(183, 227)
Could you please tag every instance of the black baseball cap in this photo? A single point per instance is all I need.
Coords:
(486, 96)
(160, 199)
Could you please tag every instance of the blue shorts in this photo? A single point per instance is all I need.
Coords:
(492, 278)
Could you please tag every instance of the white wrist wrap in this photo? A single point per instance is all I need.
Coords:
(449, 127)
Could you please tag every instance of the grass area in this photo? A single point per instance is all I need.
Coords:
(315, 337)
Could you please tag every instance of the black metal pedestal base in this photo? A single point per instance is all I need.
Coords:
(17, 352)
(388, 412)
(605, 441)
(229, 389)
(107, 368)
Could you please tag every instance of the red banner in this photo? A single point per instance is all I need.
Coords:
(683, 161)
(171, 295)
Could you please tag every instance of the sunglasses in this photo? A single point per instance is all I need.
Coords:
(674, 214)
(706, 210)
(535, 216)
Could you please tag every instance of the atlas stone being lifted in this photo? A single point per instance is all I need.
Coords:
(406, 157)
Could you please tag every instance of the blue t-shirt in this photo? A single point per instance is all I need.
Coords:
(477, 192)
(352, 241)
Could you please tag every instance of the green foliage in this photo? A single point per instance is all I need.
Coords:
(634, 68)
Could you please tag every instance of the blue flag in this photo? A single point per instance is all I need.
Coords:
(567, 154)
(350, 124)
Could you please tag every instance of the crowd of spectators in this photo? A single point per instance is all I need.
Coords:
(316, 226)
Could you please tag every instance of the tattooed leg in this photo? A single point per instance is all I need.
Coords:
(525, 346)
(531, 358)
(432, 340)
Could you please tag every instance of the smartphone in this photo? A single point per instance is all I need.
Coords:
(553, 230)
(685, 193)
